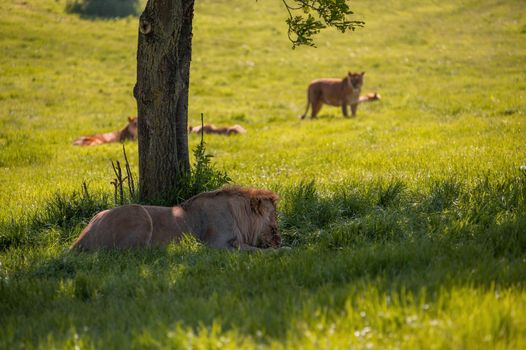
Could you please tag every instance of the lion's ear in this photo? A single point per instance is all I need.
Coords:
(255, 205)
(363, 73)
(130, 119)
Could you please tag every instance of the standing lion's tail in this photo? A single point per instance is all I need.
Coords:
(308, 105)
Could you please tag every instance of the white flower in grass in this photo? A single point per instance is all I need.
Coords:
(522, 167)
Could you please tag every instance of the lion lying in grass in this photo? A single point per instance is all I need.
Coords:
(212, 129)
(129, 132)
(230, 218)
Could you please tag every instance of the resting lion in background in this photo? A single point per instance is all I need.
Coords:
(212, 129)
(129, 132)
(230, 218)
(337, 92)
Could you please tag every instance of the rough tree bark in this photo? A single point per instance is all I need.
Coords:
(163, 73)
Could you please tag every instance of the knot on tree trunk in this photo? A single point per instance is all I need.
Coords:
(143, 95)
(145, 27)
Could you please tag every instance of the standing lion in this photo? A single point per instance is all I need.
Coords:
(337, 92)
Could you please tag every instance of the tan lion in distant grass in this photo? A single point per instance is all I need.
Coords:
(337, 92)
(212, 129)
(129, 132)
(230, 218)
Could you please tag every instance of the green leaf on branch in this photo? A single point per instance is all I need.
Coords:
(308, 17)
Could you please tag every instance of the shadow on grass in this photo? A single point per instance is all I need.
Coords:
(58, 221)
(103, 9)
(346, 243)
(156, 290)
(491, 212)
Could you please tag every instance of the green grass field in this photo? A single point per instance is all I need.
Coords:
(407, 223)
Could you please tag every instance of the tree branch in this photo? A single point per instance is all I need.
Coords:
(308, 17)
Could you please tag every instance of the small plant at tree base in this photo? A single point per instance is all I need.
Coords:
(203, 175)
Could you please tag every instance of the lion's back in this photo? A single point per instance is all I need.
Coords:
(122, 227)
(326, 89)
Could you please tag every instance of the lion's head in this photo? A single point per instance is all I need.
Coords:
(355, 80)
(263, 215)
(252, 211)
(131, 129)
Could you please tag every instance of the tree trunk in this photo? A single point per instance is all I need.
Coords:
(163, 73)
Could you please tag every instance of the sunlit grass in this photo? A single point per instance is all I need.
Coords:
(407, 223)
